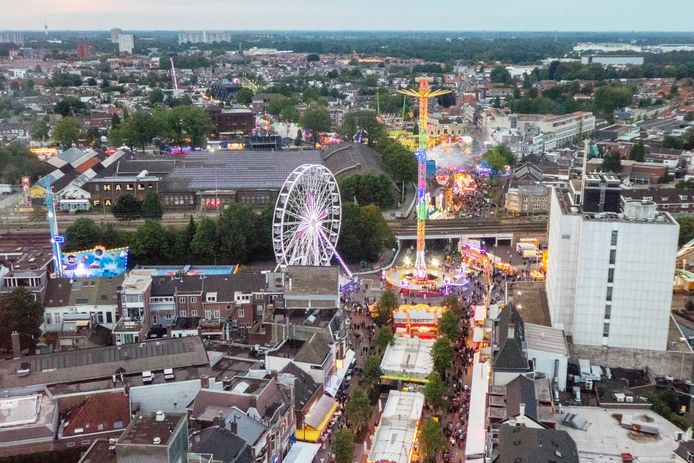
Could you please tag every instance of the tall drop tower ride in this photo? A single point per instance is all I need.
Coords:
(423, 94)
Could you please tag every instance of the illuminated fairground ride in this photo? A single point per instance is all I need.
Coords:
(306, 223)
(423, 94)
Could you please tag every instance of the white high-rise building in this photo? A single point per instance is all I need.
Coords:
(126, 43)
(610, 274)
(115, 32)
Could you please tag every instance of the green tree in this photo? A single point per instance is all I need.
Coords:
(498, 158)
(372, 370)
(386, 305)
(127, 207)
(151, 206)
(284, 109)
(316, 119)
(343, 447)
(638, 152)
(358, 409)
(115, 121)
(368, 188)
(20, 312)
(384, 336)
(452, 303)
(362, 119)
(112, 236)
(686, 223)
(236, 229)
(84, 233)
(500, 75)
(448, 325)
(153, 242)
(204, 242)
(299, 140)
(138, 130)
(399, 163)
(39, 130)
(244, 96)
(184, 240)
(612, 162)
(67, 131)
(364, 233)
(156, 96)
(185, 125)
(443, 354)
(431, 440)
(436, 392)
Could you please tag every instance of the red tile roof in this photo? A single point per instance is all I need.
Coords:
(99, 413)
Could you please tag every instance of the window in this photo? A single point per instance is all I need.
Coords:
(193, 313)
(193, 300)
(109, 317)
(614, 238)
(100, 317)
(613, 256)
(259, 309)
(608, 311)
(211, 297)
(610, 275)
(47, 317)
(216, 313)
(181, 300)
(183, 313)
(208, 314)
(609, 293)
(242, 314)
(605, 329)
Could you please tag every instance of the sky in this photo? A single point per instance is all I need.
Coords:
(454, 15)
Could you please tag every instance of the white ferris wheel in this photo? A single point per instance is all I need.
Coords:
(306, 223)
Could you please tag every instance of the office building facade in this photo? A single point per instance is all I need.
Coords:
(610, 275)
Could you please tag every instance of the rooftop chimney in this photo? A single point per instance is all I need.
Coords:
(16, 345)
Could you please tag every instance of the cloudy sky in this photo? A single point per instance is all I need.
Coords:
(592, 15)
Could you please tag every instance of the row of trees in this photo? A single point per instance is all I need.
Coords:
(16, 161)
(178, 126)
(238, 235)
(128, 207)
(369, 188)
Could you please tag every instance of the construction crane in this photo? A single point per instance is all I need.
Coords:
(173, 75)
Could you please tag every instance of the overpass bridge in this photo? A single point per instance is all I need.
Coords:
(470, 228)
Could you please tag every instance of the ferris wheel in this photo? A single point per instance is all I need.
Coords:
(306, 223)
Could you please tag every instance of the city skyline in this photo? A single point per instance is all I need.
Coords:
(502, 15)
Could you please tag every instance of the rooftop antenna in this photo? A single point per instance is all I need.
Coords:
(45, 26)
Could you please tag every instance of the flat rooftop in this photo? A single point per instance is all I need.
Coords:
(103, 362)
(144, 429)
(546, 339)
(530, 300)
(306, 281)
(604, 439)
(568, 207)
(16, 411)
